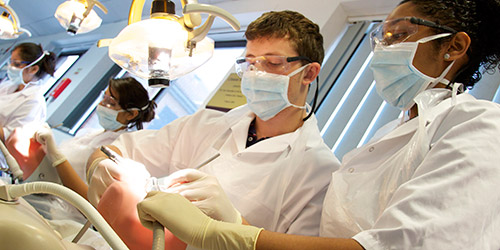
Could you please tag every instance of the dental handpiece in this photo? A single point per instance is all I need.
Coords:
(110, 154)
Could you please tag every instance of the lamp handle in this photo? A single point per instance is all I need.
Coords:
(200, 33)
(212, 10)
(90, 6)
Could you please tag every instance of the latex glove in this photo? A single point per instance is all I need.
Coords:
(192, 226)
(106, 172)
(45, 137)
(205, 192)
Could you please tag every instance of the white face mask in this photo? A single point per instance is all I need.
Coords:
(107, 118)
(397, 79)
(15, 75)
(267, 93)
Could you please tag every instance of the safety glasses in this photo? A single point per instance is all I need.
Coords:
(18, 63)
(400, 29)
(272, 64)
(109, 101)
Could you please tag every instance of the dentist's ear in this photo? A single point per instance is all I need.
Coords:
(311, 72)
(457, 47)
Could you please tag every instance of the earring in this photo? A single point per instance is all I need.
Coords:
(446, 56)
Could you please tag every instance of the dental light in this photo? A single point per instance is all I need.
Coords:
(165, 46)
(10, 27)
(78, 16)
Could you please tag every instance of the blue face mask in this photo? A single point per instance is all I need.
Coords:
(107, 118)
(397, 81)
(267, 93)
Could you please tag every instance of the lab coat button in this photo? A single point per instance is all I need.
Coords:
(371, 149)
(351, 170)
(239, 154)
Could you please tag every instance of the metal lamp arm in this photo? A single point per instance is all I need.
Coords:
(90, 5)
(200, 33)
(15, 19)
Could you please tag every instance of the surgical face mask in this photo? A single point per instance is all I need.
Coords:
(267, 93)
(397, 79)
(15, 75)
(107, 118)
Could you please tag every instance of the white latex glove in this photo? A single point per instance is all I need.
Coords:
(205, 192)
(192, 226)
(107, 172)
(45, 137)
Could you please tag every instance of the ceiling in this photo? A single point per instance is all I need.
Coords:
(37, 16)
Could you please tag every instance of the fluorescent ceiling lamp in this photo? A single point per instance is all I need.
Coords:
(10, 27)
(78, 16)
(166, 46)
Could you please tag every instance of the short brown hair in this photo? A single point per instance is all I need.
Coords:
(302, 32)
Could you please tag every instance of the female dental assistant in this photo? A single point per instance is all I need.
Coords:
(427, 182)
(21, 98)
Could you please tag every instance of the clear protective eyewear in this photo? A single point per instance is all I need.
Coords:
(399, 30)
(271, 64)
(109, 101)
(18, 63)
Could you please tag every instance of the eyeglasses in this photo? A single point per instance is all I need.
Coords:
(18, 63)
(271, 64)
(400, 29)
(109, 101)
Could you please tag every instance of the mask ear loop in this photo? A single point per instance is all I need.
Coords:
(314, 101)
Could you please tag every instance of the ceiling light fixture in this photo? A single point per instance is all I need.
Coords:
(78, 16)
(165, 46)
(10, 27)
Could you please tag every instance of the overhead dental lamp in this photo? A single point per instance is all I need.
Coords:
(165, 46)
(10, 28)
(78, 16)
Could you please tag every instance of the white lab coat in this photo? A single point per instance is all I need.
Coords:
(278, 183)
(22, 107)
(396, 193)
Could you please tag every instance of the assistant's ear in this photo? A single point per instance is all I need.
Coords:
(311, 72)
(33, 69)
(131, 114)
(458, 46)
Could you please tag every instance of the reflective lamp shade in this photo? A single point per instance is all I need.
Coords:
(70, 16)
(155, 49)
(6, 28)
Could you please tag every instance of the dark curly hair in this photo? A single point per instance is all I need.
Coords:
(30, 52)
(302, 32)
(477, 18)
(132, 94)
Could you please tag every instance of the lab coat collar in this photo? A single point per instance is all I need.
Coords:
(445, 102)
(239, 120)
(32, 88)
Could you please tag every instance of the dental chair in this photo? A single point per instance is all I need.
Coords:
(22, 227)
